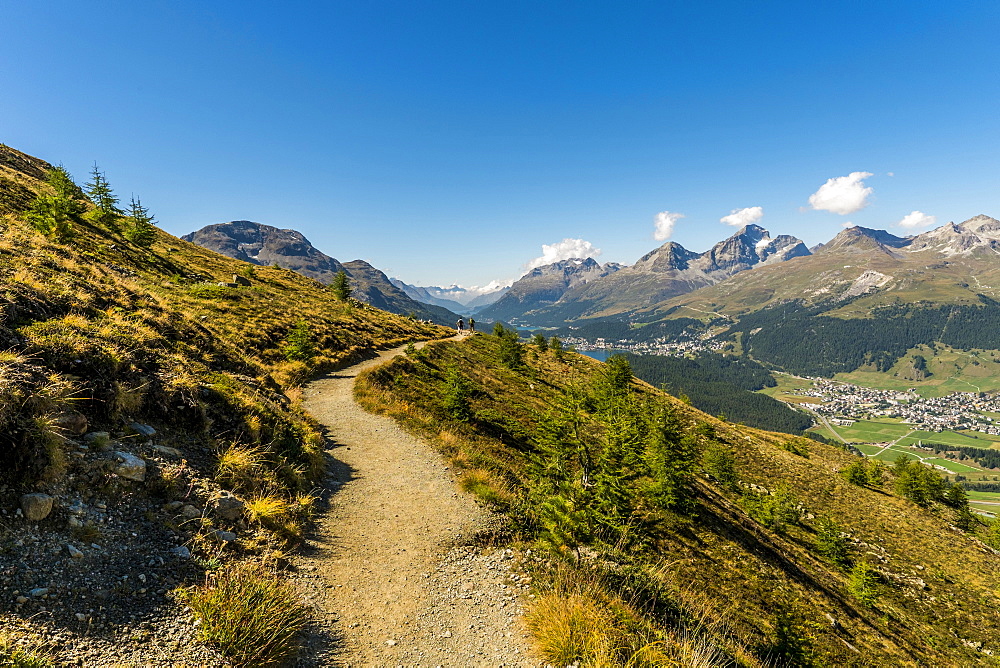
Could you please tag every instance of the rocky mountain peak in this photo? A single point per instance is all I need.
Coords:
(982, 226)
(668, 257)
(951, 239)
(265, 245)
(752, 232)
(750, 246)
(566, 267)
(862, 239)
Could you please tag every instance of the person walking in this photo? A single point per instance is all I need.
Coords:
(461, 326)
(472, 325)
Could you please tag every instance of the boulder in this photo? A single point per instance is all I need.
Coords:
(73, 422)
(167, 450)
(190, 512)
(130, 467)
(142, 429)
(36, 506)
(229, 507)
(100, 440)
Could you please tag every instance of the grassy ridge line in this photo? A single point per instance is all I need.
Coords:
(784, 588)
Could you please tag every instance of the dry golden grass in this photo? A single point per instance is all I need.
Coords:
(242, 468)
(250, 614)
(21, 647)
(570, 628)
(286, 518)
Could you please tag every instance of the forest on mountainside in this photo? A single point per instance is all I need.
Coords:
(618, 330)
(798, 339)
(722, 385)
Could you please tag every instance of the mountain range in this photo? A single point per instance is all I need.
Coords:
(861, 269)
(466, 301)
(266, 245)
(582, 289)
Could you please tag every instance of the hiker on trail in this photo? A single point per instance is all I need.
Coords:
(461, 325)
(472, 325)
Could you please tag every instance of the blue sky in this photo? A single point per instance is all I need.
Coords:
(448, 141)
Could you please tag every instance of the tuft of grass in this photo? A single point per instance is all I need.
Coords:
(251, 615)
(486, 486)
(23, 653)
(287, 519)
(571, 628)
(240, 467)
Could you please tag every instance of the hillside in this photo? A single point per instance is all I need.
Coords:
(265, 245)
(666, 272)
(667, 537)
(150, 404)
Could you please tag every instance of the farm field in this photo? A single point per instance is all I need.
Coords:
(786, 385)
(891, 453)
(889, 429)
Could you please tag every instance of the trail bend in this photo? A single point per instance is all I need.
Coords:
(390, 569)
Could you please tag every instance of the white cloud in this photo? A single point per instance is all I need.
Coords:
(664, 224)
(891, 173)
(842, 194)
(741, 217)
(564, 250)
(848, 225)
(917, 219)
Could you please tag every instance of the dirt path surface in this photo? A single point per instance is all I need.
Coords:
(391, 569)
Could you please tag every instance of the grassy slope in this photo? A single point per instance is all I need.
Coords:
(120, 333)
(744, 579)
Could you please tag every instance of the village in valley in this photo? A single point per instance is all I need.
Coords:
(844, 403)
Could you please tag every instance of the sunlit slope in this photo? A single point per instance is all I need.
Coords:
(759, 591)
(148, 329)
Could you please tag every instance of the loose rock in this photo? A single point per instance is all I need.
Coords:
(142, 429)
(73, 422)
(130, 466)
(229, 507)
(36, 506)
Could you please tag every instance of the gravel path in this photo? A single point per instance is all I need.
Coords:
(392, 569)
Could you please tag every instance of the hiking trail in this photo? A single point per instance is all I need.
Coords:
(391, 570)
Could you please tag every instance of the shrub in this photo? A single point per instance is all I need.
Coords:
(508, 346)
(456, 397)
(51, 215)
(775, 511)
(718, 462)
(252, 616)
(341, 286)
(830, 542)
(863, 584)
(855, 473)
(299, 346)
